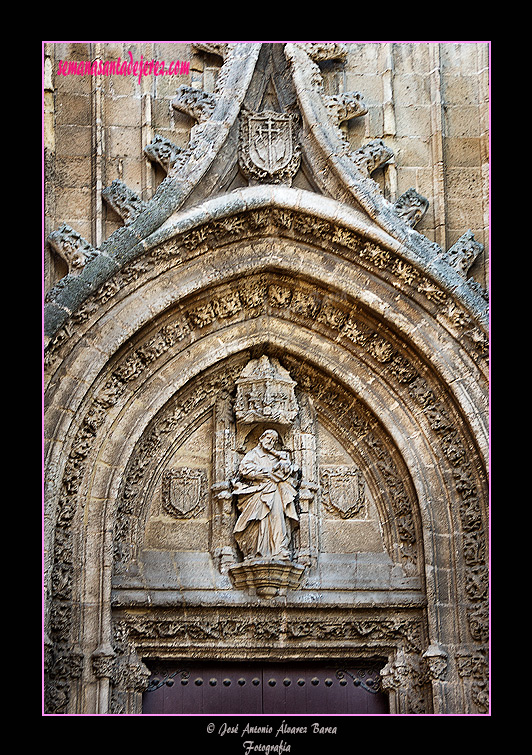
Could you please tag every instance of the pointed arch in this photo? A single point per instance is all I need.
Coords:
(387, 343)
(178, 309)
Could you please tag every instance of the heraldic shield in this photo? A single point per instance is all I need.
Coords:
(268, 150)
(343, 491)
(184, 492)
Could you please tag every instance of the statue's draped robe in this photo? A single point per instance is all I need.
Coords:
(262, 529)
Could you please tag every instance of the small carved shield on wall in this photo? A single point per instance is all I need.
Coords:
(268, 151)
(343, 491)
(184, 492)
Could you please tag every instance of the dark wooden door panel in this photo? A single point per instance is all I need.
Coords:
(269, 688)
(204, 688)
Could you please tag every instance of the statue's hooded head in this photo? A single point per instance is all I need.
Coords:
(269, 438)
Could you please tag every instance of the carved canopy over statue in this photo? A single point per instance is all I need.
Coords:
(266, 501)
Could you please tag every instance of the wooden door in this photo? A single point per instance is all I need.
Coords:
(265, 688)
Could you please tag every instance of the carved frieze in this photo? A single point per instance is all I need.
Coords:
(343, 491)
(268, 149)
(184, 492)
(401, 272)
(257, 627)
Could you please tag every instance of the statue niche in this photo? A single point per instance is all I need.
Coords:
(265, 488)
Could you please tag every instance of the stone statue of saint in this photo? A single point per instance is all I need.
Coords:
(266, 495)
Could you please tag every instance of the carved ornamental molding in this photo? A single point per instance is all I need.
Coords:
(409, 279)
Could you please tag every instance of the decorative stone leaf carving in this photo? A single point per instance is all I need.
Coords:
(163, 151)
(343, 107)
(195, 102)
(371, 156)
(411, 206)
(124, 201)
(325, 50)
(463, 253)
(72, 247)
(214, 48)
(437, 660)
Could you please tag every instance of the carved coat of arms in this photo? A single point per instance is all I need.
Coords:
(268, 149)
(343, 491)
(184, 492)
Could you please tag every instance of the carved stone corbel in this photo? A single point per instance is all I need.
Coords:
(103, 660)
(371, 156)
(437, 661)
(195, 102)
(72, 247)
(124, 201)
